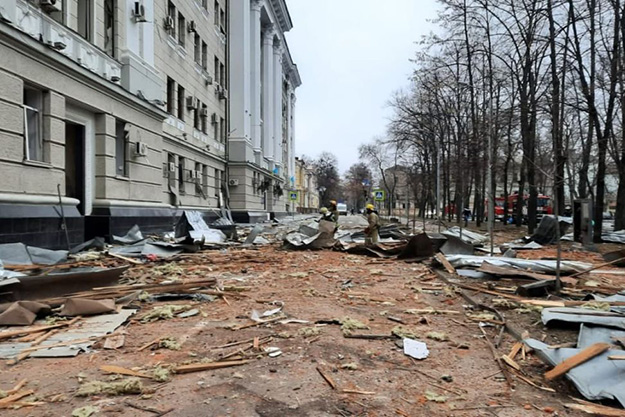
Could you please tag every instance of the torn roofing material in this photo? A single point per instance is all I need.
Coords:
(583, 315)
(589, 335)
(467, 236)
(543, 266)
(20, 254)
(134, 235)
(57, 284)
(596, 379)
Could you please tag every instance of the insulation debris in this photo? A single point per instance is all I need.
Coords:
(121, 387)
(165, 312)
(348, 325)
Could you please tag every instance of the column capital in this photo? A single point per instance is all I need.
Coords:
(278, 49)
(257, 5)
(269, 32)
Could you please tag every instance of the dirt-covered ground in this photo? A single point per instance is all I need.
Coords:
(460, 377)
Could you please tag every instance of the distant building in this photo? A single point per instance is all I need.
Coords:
(306, 187)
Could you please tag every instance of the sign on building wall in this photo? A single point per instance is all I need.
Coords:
(379, 195)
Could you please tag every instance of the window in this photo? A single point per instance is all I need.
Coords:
(171, 13)
(121, 146)
(216, 13)
(205, 180)
(197, 52)
(196, 117)
(58, 16)
(216, 130)
(204, 55)
(197, 184)
(171, 95)
(109, 27)
(216, 69)
(217, 183)
(85, 16)
(181, 174)
(33, 140)
(222, 74)
(182, 30)
(204, 119)
(171, 170)
(181, 102)
(222, 20)
(222, 130)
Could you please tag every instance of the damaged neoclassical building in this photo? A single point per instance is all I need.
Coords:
(119, 112)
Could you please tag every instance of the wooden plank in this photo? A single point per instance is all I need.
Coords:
(576, 360)
(595, 409)
(617, 357)
(443, 261)
(112, 369)
(516, 348)
(184, 369)
(13, 333)
(510, 362)
(7, 401)
(329, 380)
(124, 258)
(597, 267)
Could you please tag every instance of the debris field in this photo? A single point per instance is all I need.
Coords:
(265, 331)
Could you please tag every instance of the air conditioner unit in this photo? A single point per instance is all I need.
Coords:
(172, 167)
(138, 12)
(233, 182)
(203, 112)
(191, 174)
(223, 94)
(169, 23)
(51, 5)
(208, 80)
(192, 26)
(141, 149)
(214, 118)
(192, 103)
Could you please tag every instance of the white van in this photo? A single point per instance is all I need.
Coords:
(342, 208)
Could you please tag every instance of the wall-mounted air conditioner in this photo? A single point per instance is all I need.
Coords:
(141, 149)
(51, 5)
(233, 182)
(138, 12)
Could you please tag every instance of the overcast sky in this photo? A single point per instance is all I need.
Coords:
(352, 55)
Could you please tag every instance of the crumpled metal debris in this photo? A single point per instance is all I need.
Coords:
(472, 238)
(583, 315)
(133, 236)
(596, 379)
(20, 254)
(543, 266)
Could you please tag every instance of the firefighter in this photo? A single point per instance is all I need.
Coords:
(334, 211)
(371, 232)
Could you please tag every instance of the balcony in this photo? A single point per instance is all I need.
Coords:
(37, 24)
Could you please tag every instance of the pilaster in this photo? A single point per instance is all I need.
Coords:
(268, 96)
(255, 52)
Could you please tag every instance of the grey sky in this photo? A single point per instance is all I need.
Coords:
(352, 55)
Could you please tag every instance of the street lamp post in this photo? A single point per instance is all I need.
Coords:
(322, 191)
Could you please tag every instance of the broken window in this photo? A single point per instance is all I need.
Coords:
(222, 74)
(85, 19)
(197, 52)
(205, 180)
(181, 162)
(171, 95)
(204, 55)
(198, 172)
(109, 27)
(204, 117)
(196, 117)
(121, 148)
(33, 139)
(216, 69)
(182, 29)
(216, 13)
(181, 102)
(222, 130)
(216, 128)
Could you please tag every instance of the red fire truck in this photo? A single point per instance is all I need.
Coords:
(543, 207)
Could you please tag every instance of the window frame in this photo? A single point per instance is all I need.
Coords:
(120, 136)
(182, 30)
(39, 125)
(181, 103)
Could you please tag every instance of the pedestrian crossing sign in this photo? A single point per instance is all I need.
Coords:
(378, 195)
(293, 195)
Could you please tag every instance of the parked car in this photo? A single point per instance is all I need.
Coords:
(342, 208)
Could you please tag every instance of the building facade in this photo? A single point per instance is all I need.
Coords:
(306, 187)
(263, 79)
(117, 109)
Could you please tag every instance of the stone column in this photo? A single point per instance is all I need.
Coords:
(255, 53)
(268, 96)
(277, 104)
(291, 107)
(239, 68)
